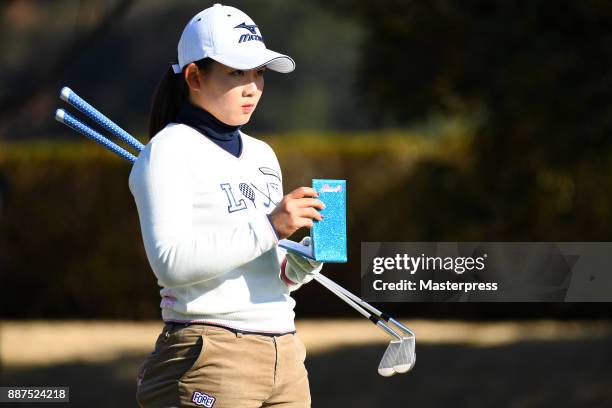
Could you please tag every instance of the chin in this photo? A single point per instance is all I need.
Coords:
(242, 120)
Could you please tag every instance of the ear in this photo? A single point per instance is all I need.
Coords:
(192, 76)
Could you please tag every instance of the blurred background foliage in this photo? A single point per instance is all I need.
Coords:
(451, 120)
(113, 53)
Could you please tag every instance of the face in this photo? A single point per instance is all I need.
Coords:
(229, 94)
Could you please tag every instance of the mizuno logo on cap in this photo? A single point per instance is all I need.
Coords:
(251, 27)
(249, 37)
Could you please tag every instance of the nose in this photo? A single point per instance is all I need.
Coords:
(249, 89)
(254, 83)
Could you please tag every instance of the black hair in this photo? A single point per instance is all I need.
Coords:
(170, 93)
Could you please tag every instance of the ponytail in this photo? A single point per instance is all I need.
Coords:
(169, 95)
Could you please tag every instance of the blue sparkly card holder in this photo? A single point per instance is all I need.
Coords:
(328, 235)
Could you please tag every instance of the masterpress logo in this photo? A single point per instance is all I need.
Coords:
(413, 264)
(422, 270)
(486, 271)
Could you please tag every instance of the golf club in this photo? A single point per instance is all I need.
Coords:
(406, 357)
(75, 100)
(371, 308)
(400, 354)
(75, 124)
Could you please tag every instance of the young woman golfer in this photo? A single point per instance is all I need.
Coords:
(211, 207)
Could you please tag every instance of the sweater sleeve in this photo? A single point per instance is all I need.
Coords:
(163, 187)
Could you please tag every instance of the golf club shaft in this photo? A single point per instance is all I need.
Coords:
(75, 100)
(67, 119)
(368, 306)
(373, 318)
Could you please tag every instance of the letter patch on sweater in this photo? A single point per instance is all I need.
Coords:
(234, 205)
(205, 400)
(267, 196)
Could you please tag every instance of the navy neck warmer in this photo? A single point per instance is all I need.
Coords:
(225, 136)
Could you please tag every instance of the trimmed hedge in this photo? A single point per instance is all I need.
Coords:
(70, 243)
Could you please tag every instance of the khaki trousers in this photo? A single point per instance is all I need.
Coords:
(213, 367)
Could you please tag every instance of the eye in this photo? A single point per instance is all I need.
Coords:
(237, 73)
(260, 72)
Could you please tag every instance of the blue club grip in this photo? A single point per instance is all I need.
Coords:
(72, 122)
(75, 100)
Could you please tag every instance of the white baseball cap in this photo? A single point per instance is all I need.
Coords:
(227, 35)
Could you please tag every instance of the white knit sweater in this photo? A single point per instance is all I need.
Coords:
(206, 234)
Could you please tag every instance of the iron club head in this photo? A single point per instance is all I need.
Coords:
(406, 355)
(386, 366)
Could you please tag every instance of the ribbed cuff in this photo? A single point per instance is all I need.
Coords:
(284, 277)
(272, 225)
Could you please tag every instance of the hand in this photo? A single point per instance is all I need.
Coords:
(299, 269)
(296, 210)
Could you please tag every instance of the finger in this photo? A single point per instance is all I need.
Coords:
(309, 212)
(306, 222)
(310, 202)
(303, 192)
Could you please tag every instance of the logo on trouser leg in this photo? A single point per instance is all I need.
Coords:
(205, 400)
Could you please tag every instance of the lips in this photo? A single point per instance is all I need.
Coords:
(248, 108)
